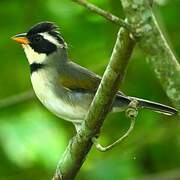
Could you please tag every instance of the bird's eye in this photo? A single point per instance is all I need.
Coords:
(37, 38)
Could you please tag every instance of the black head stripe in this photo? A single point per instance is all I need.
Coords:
(42, 27)
(42, 46)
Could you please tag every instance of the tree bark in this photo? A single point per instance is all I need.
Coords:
(151, 40)
(80, 145)
(161, 59)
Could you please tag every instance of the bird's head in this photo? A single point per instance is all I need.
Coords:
(42, 40)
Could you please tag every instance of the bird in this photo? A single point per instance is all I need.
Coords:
(64, 87)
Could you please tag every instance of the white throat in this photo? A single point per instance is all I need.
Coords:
(33, 56)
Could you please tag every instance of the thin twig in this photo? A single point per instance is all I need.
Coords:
(131, 113)
(104, 14)
(109, 147)
(16, 99)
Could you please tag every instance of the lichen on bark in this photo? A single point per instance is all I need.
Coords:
(158, 53)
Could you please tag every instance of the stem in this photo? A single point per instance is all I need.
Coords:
(105, 14)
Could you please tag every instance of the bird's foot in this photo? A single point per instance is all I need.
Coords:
(132, 110)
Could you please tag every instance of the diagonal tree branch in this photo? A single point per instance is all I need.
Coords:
(16, 99)
(80, 145)
(104, 14)
(159, 55)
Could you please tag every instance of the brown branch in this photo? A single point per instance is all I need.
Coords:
(105, 14)
(80, 145)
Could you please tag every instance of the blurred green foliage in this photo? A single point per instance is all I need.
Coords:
(32, 139)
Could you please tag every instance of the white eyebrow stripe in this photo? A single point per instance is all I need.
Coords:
(50, 38)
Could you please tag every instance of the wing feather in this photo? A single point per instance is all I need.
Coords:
(75, 77)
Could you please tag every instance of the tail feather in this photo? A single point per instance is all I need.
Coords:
(123, 101)
(156, 107)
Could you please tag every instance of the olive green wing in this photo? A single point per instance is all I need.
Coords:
(75, 77)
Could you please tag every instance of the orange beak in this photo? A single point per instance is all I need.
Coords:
(21, 38)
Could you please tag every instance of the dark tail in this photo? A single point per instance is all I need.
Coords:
(156, 107)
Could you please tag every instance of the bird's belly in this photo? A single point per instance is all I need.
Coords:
(62, 108)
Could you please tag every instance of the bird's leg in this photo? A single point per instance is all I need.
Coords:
(131, 112)
(77, 126)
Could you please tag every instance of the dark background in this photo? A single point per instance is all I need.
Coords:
(32, 139)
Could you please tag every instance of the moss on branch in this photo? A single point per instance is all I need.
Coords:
(159, 55)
